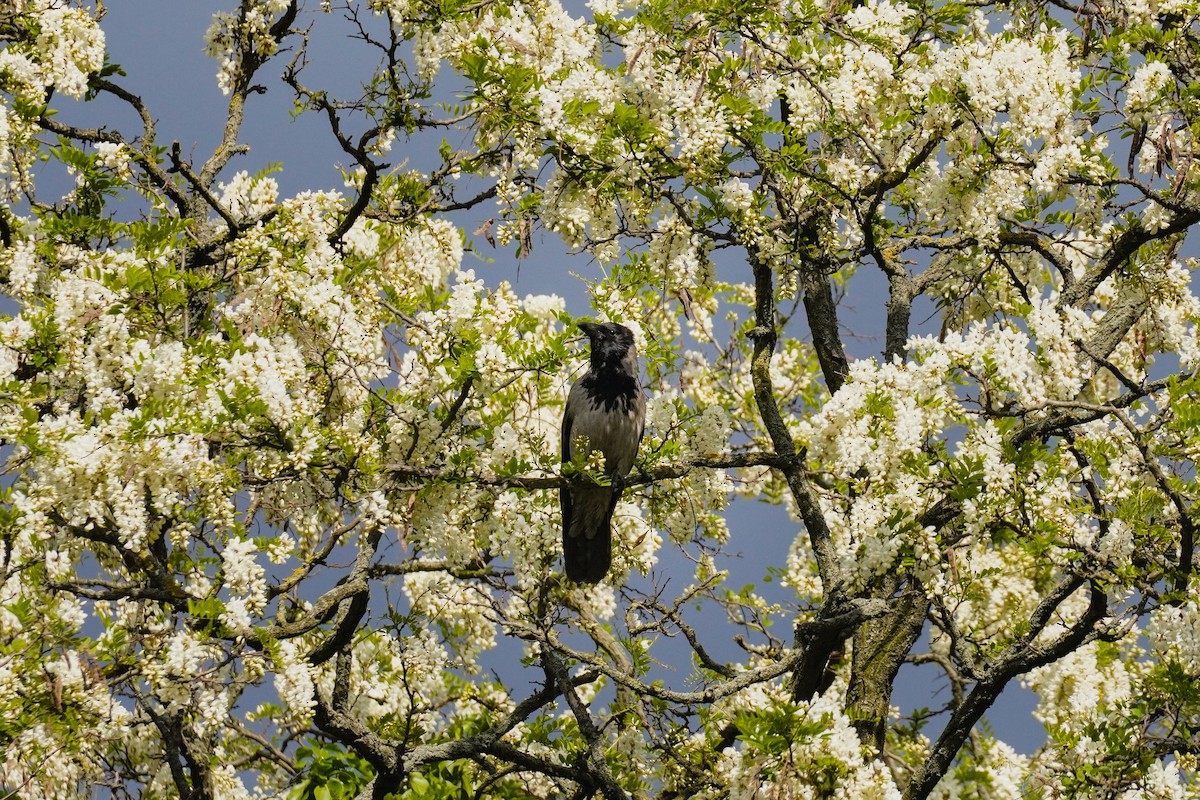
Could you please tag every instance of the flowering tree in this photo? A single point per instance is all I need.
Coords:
(280, 513)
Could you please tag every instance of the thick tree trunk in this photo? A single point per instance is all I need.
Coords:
(880, 647)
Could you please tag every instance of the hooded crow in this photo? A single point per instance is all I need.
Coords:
(606, 412)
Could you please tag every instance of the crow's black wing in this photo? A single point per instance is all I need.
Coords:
(586, 508)
(564, 491)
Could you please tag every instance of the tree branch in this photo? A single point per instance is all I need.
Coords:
(1022, 656)
(407, 474)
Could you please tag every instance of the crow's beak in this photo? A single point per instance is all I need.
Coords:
(590, 328)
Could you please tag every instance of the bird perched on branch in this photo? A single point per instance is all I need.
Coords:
(606, 412)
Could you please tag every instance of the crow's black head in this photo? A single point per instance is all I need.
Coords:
(612, 346)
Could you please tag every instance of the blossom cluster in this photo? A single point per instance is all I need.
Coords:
(795, 749)
(55, 47)
(232, 38)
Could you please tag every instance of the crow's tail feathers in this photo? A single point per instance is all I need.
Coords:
(587, 533)
(587, 558)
